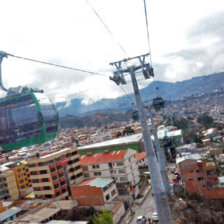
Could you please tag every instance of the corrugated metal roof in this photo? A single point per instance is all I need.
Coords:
(8, 213)
(117, 141)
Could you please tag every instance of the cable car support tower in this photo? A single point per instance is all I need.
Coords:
(158, 188)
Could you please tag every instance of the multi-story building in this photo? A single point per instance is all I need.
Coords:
(94, 192)
(8, 186)
(120, 165)
(200, 176)
(54, 173)
(22, 174)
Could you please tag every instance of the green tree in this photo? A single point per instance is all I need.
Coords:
(205, 120)
(103, 218)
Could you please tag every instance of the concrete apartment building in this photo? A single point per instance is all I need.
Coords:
(200, 176)
(121, 166)
(94, 192)
(8, 186)
(22, 174)
(54, 173)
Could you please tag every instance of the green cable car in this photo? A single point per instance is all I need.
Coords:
(27, 117)
(158, 103)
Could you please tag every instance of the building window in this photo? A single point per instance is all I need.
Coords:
(77, 167)
(36, 188)
(62, 183)
(95, 166)
(113, 192)
(56, 186)
(35, 181)
(71, 170)
(107, 197)
(47, 188)
(43, 172)
(74, 153)
(45, 180)
(85, 168)
(190, 179)
(21, 182)
(79, 175)
(54, 177)
(121, 171)
(120, 163)
(48, 196)
(59, 167)
(53, 170)
(197, 171)
(61, 175)
(200, 178)
(86, 175)
(123, 179)
(97, 173)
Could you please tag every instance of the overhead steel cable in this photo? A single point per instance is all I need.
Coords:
(106, 27)
(147, 28)
(129, 98)
(56, 65)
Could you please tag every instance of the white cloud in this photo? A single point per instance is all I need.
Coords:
(67, 32)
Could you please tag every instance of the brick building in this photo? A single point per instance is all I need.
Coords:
(94, 192)
(200, 176)
(54, 173)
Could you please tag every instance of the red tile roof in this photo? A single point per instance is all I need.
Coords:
(140, 156)
(102, 157)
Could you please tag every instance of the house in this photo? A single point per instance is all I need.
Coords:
(200, 176)
(95, 191)
(120, 165)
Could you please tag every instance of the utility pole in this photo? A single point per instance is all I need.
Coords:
(161, 156)
(160, 196)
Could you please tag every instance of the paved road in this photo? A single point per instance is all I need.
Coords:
(146, 208)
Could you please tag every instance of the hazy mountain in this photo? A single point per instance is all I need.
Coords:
(169, 91)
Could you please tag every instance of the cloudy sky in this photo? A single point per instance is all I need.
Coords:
(186, 41)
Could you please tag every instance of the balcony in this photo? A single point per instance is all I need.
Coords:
(44, 192)
(40, 176)
(45, 184)
(38, 168)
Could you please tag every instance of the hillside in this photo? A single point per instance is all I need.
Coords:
(169, 91)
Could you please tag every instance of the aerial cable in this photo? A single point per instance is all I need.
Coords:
(56, 65)
(107, 28)
(129, 98)
(147, 28)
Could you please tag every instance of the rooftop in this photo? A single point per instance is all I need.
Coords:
(97, 182)
(123, 140)
(140, 156)
(8, 213)
(102, 157)
(195, 156)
